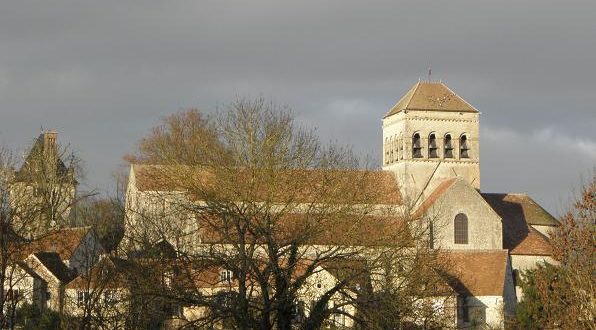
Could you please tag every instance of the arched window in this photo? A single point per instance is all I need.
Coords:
(460, 229)
(416, 146)
(395, 144)
(386, 150)
(432, 146)
(391, 155)
(448, 146)
(463, 147)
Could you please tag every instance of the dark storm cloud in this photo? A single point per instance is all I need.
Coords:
(102, 73)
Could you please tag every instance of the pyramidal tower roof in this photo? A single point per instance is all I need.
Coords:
(434, 96)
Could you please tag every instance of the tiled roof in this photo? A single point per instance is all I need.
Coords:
(426, 95)
(300, 185)
(109, 272)
(344, 230)
(477, 272)
(62, 241)
(520, 205)
(519, 212)
(52, 262)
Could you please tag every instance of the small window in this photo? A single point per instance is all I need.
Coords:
(463, 147)
(465, 309)
(516, 278)
(432, 146)
(225, 275)
(461, 229)
(299, 311)
(82, 298)
(109, 297)
(416, 146)
(448, 146)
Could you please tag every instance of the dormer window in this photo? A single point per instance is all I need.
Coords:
(463, 147)
(416, 146)
(432, 146)
(448, 146)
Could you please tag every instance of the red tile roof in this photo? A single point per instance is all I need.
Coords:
(61, 241)
(346, 230)
(519, 212)
(299, 185)
(477, 272)
(520, 205)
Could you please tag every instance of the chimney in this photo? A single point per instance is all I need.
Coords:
(49, 140)
(50, 150)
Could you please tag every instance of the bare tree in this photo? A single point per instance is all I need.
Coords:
(106, 216)
(299, 234)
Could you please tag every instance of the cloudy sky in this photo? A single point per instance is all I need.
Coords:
(103, 72)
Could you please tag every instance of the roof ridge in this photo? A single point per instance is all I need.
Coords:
(407, 104)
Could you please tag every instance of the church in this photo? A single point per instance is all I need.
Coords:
(431, 144)
(431, 155)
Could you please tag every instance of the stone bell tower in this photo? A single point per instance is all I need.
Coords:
(431, 135)
(43, 189)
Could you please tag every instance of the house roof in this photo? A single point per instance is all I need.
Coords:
(299, 185)
(52, 262)
(514, 205)
(477, 272)
(62, 241)
(109, 272)
(436, 96)
(519, 212)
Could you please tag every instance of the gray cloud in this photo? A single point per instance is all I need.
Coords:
(103, 72)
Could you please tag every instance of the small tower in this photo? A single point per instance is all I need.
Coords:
(43, 189)
(431, 135)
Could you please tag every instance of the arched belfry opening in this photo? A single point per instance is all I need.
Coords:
(416, 146)
(433, 134)
(448, 146)
(463, 146)
(432, 146)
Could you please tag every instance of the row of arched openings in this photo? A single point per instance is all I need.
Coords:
(433, 147)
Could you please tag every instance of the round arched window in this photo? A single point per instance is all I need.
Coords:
(460, 229)
(416, 146)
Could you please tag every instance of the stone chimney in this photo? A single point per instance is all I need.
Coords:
(49, 140)
(50, 151)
